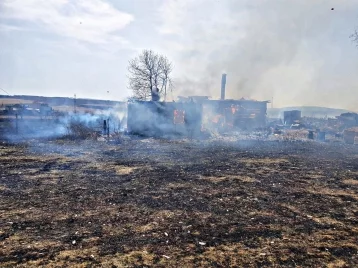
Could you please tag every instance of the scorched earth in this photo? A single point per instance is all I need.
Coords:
(158, 203)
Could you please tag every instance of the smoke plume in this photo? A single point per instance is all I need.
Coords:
(297, 52)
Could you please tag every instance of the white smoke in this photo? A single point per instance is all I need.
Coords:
(298, 51)
(58, 126)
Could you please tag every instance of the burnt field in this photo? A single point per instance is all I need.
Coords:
(158, 203)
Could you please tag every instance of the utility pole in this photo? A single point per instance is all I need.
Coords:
(17, 124)
(108, 98)
(74, 104)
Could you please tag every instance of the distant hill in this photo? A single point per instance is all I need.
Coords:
(57, 101)
(309, 111)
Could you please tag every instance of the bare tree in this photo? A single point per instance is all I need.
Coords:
(149, 76)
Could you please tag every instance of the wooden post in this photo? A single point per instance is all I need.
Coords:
(16, 124)
(108, 128)
(104, 127)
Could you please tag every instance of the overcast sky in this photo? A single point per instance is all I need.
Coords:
(298, 51)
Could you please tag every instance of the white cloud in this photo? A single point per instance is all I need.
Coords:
(94, 21)
(8, 28)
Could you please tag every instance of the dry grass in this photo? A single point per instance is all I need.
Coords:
(227, 178)
(10, 101)
(334, 192)
(350, 182)
(263, 161)
(123, 170)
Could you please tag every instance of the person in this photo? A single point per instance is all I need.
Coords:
(104, 127)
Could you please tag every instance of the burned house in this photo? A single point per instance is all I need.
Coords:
(190, 114)
(239, 114)
(244, 114)
(152, 118)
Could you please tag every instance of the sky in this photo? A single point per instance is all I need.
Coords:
(295, 52)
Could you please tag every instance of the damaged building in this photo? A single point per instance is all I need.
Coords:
(244, 114)
(186, 117)
(239, 114)
(152, 118)
(191, 114)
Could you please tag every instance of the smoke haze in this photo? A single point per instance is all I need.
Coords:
(297, 52)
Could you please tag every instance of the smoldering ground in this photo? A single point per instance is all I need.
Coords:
(165, 203)
(53, 126)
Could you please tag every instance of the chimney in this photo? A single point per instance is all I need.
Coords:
(223, 83)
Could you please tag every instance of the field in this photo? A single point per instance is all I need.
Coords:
(11, 101)
(178, 203)
(60, 108)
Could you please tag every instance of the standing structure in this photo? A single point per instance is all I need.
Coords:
(241, 114)
(223, 85)
(291, 117)
(152, 118)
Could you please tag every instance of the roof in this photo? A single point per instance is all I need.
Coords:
(242, 100)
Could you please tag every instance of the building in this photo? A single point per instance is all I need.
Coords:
(190, 114)
(238, 114)
(152, 118)
(291, 117)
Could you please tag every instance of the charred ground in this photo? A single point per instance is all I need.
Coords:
(167, 203)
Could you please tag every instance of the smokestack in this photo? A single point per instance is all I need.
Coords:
(223, 83)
